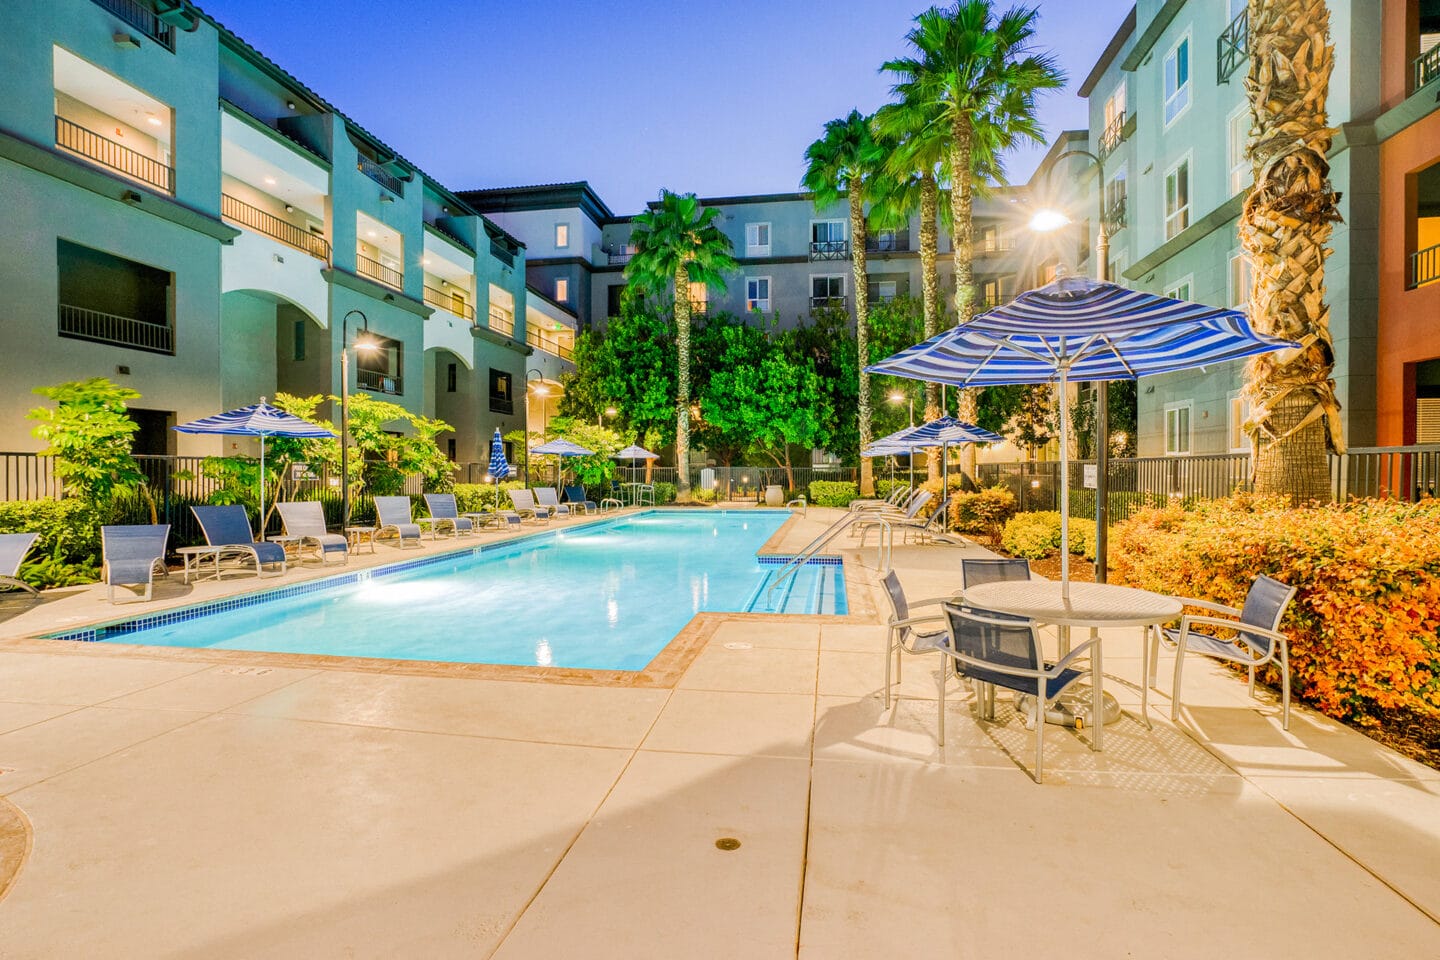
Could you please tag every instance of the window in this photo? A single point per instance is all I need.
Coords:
(379, 369)
(699, 297)
(757, 294)
(450, 449)
(1181, 290)
(1239, 411)
(827, 240)
(990, 296)
(612, 299)
(1237, 134)
(1115, 106)
(1177, 79)
(989, 241)
(1177, 427)
(1177, 198)
(108, 299)
(827, 290)
(885, 241)
(885, 290)
(1242, 282)
(501, 314)
(298, 353)
(1237, 7)
(757, 239)
(1115, 189)
(1117, 268)
(502, 399)
(562, 289)
(452, 374)
(562, 236)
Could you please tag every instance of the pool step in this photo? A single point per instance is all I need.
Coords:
(813, 588)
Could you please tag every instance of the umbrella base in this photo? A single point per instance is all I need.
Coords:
(1071, 708)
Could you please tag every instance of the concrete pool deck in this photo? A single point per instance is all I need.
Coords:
(170, 806)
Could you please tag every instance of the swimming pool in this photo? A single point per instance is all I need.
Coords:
(604, 596)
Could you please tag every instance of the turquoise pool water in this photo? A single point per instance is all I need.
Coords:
(604, 596)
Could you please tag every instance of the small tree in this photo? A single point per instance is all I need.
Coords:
(597, 469)
(90, 436)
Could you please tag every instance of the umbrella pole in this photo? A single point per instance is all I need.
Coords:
(944, 483)
(262, 487)
(1064, 485)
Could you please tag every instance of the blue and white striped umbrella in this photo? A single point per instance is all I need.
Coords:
(257, 420)
(940, 432)
(499, 466)
(1079, 329)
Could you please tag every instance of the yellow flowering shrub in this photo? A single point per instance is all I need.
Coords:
(1363, 626)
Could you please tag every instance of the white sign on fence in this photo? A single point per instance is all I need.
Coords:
(1092, 476)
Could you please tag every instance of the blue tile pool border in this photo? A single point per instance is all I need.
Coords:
(121, 627)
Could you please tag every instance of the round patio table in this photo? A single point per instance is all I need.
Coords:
(1092, 605)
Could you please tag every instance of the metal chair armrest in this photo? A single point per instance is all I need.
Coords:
(1187, 621)
(931, 601)
(912, 621)
(1069, 658)
(960, 658)
(1209, 605)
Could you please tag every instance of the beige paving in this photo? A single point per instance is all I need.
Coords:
(184, 808)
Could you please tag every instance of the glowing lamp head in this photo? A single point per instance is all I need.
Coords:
(366, 344)
(1048, 221)
(896, 397)
(541, 390)
(611, 411)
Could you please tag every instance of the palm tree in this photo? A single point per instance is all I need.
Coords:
(978, 72)
(842, 163)
(676, 241)
(1287, 222)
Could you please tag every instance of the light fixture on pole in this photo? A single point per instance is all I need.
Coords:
(542, 391)
(361, 343)
(1046, 221)
(898, 397)
(607, 412)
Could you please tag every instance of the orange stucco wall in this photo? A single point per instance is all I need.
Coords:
(1400, 26)
(1409, 328)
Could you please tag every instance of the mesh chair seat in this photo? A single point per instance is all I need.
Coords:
(1053, 686)
(268, 552)
(928, 641)
(1211, 646)
(131, 573)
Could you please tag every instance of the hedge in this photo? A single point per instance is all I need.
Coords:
(68, 550)
(833, 493)
(480, 497)
(1036, 535)
(983, 511)
(1363, 627)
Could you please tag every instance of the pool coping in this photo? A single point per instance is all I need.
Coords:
(663, 671)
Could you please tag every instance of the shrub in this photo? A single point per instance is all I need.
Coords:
(68, 551)
(705, 496)
(480, 497)
(664, 492)
(1363, 627)
(984, 511)
(833, 493)
(1035, 536)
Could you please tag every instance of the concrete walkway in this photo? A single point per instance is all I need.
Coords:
(180, 808)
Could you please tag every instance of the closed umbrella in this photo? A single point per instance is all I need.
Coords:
(1079, 329)
(257, 420)
(499, 466)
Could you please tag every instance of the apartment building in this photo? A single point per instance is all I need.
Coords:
(186, 217)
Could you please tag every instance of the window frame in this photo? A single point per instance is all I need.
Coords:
(844, 229)
(758, 249)
(1237, 408)
(562, 289)
(844, 285)
(753, 303)
(562, 226)
(1181, 89)
(879, 292)
(1187, 162)
(452, 377)
(1174, 407)
(1188, 282)
(1236, 301)
(1107, 115)
(502, 401)
(1232, 166)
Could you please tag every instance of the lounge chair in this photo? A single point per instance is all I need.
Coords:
(131, 555)
(929, 530)
(13, 547)
(524, 503)
(546, 497)
(444, 511)
(227, 529)
(576, 496)
(393, 514)
(875, 503)
(861, 527)
(306, 519)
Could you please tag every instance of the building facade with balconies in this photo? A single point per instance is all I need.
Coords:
(186, 217)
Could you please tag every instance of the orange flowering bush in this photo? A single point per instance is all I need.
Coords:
(1363, 627)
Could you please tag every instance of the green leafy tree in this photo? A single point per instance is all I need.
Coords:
(828, 342)
(595, 470)
(677, 243)
(90, 435)
(841, 164)
(629, 366)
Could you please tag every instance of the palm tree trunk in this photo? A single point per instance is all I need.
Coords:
(862, 331)
(1287, 222)
(930, 293)
(962, 210)
(682, 383)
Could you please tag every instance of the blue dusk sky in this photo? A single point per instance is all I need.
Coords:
(715, 98)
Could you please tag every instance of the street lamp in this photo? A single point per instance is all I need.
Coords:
(542, 391)
(898, 397)
(1045, 221)
(365, 343)
(608, 412)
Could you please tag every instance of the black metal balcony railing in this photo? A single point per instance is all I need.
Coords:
(380, 381)
(142, 17)
(376, 270)
(619, 259)
(820, 303)
(1427, 66)
(78, 323)
(380, 175)
(896, 242)
(502, 320)
(1425, 266)
(238, 211)
(1113, 136)
(1232, 48)
(450, 302)
(502, 253)
(106, 152)
(554, 347)
(829, 249)
(1115, 219)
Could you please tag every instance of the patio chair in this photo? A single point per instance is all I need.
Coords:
(898, 495)
(227, 529)
(524, 503)
(546, 497)
(130, 555)
(13, 547)
(915, 635)
(576, 496)
(862, 527)
(445, 511)
(999, 650)
(975, 572)
(306, 519)
(393, 513)
(1258, 639)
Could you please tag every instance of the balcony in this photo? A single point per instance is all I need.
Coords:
(1424, 266)
(449, 234)
(380, 175)
(1427, 67)
(988, 245)
(379, 381)
(822, 303)
(502, 253)
(113, 156)
(619, 259)
(1115, 219)
(897, 241)
(237, 211)
(829, 249)
(501, 320)
(1113, 136)
(1232, 48)
(551, 346)
(142, 17)
(375, 270)
(449, 303)
(77, 323)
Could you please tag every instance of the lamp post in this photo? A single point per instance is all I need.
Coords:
(543, 392)
(607, 412)
(1047, 220)
(367, 346)
(898, 397)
